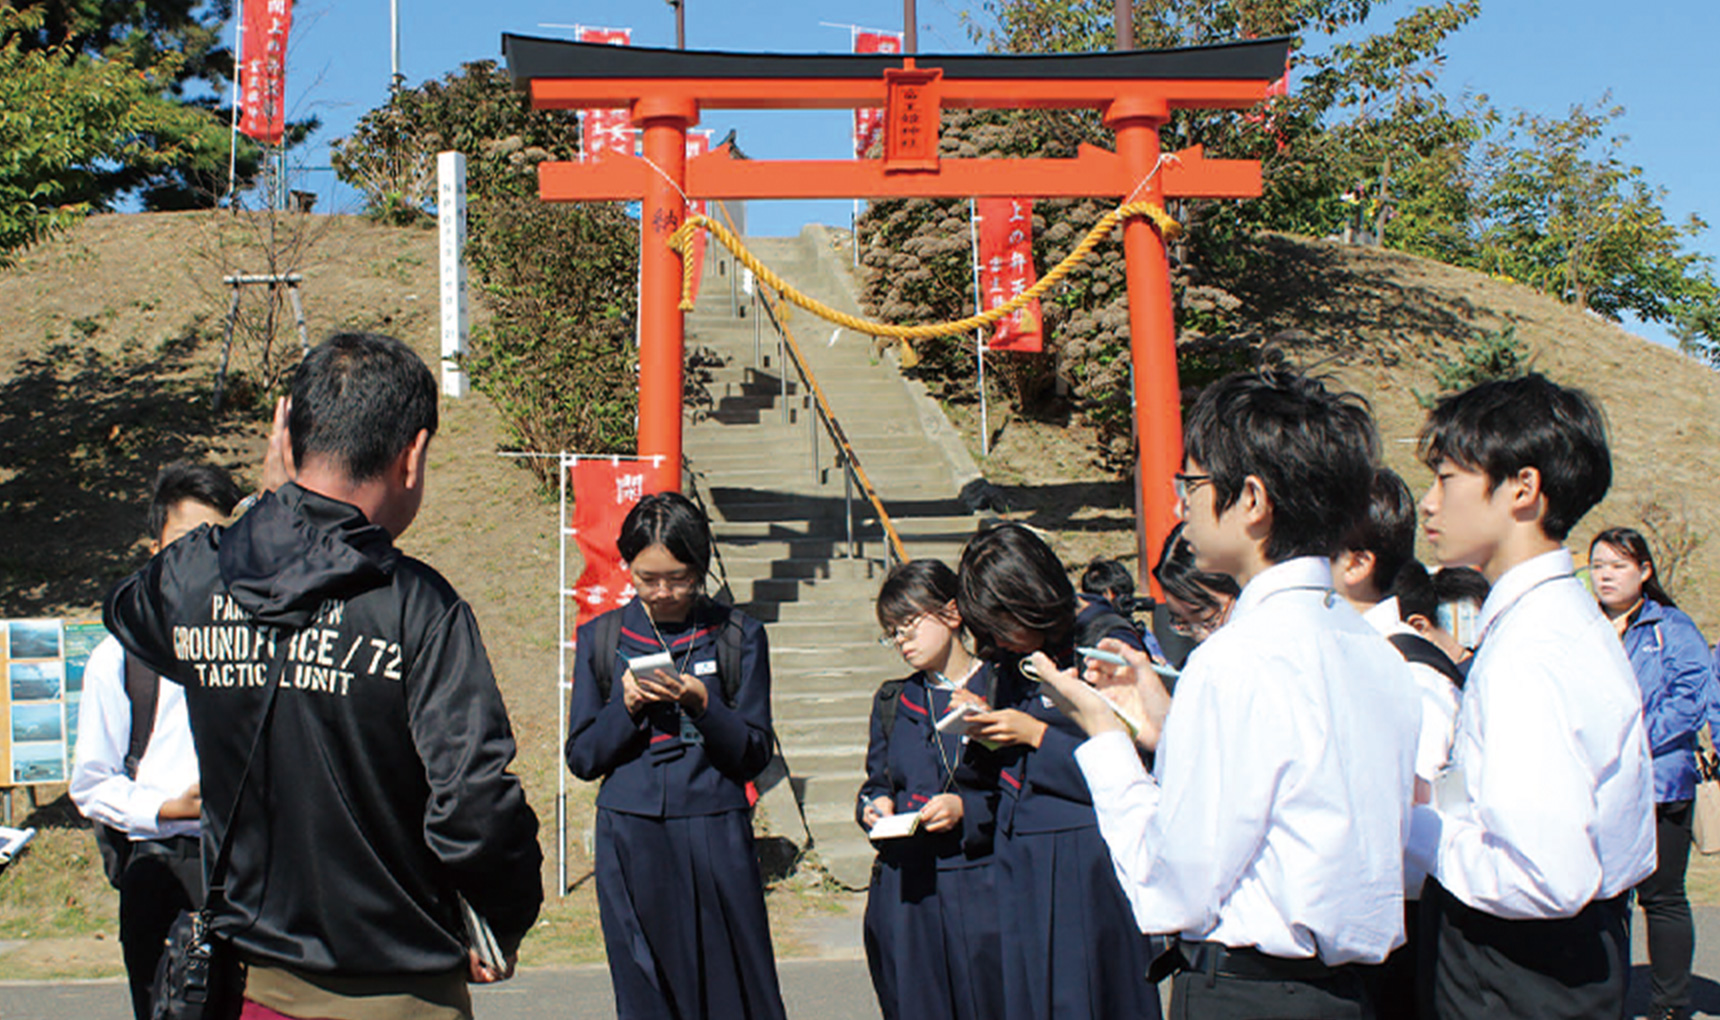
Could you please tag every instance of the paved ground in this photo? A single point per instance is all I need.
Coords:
(825, 989)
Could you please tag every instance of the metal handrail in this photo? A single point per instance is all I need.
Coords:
(853, 472)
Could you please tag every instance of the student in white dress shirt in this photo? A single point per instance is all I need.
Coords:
(1269, 837)
(1545, 819)
(1376, 554)
(154, 802)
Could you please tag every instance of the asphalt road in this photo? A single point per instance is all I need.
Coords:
(812, 989)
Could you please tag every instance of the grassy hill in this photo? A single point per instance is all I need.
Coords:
(108, 349)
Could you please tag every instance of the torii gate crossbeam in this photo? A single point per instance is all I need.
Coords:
(1135, 92)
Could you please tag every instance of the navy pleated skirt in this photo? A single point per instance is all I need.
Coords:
(932, 940)
(1071, 950)
(684, 922)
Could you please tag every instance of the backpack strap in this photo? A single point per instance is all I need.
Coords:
(729, 641)
(605, 637)
(1418, 650)
(889, 696)
(143, 691)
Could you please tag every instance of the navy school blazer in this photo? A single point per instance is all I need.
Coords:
(917, 763)
(665, 763)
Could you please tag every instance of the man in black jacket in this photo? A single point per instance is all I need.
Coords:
(380, 793)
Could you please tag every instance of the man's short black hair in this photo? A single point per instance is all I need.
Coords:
(1107, 579)
(1313, 449)
(1011, 582)
(672, 521)
(360, 399)
(1461, 584)
(1501, 427)
(182, 480)
(1415, 594)
(1387, 530)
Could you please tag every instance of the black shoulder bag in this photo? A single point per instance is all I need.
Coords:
(200, 976)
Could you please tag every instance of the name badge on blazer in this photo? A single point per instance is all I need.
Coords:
(706, 668)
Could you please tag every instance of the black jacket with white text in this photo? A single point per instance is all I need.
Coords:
(382, 786)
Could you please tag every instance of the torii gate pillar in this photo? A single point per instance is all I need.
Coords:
(662, 342)
(1152, 321)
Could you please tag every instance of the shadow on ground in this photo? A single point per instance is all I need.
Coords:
(81, 436)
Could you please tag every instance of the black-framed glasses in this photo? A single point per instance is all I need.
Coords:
(1185, 484)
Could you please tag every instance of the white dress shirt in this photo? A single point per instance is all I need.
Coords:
(100, 787)
(1549, 802)
(1439, 695)
(1277, 813)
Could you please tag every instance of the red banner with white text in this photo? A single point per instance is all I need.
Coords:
(611, 130)
(604, 490)
(869, 123)
(1006, 270)
(263, 69)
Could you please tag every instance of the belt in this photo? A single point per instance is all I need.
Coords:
(1250, 964)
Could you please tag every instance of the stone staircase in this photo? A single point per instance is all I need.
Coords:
(768, 476)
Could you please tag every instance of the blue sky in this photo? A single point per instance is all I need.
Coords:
(1520, 53)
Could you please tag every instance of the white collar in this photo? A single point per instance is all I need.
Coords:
(1385, 616)
(1302, 572)
(1518, 581)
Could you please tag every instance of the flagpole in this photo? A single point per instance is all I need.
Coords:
(979, 334)
(238, 75)
(394, 47)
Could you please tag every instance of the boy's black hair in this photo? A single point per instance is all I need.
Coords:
(1181, 579)
(915, 587)
(1501, 427)
(1461, 584)
(1011, 581)
(1387, 530)
(1415, 594)
(183, 480)
(672, 521)
(1629, 543)
(1313, 450)
(1107, 579)
(360, 399)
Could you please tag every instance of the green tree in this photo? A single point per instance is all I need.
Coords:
(1567, 215)
(179, 44)
(65, 118)
(390, 157)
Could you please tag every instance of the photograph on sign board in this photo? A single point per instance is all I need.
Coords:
(36, 722)
(81, 639)
(34, 639)
(37, 681)
(74, 702)
(39, 763)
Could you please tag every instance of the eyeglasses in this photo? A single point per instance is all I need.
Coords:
(894, 636)
(1200, 627)
(1185, 484)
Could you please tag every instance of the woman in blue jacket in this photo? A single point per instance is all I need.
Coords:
(1672, 663)
(678, 884)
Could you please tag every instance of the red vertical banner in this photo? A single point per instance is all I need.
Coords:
(611, 130)
(1006, 270)
(698, 143)
(605, 489)
(869, 123)
(263, 69)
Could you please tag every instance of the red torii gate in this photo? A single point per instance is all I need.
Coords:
(1134, 91)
